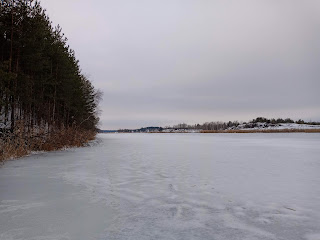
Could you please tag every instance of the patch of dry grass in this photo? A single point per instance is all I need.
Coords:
(19, 144)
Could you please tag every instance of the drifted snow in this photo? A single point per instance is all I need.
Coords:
(167, 186)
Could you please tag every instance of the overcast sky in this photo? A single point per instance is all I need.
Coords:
(162, 62)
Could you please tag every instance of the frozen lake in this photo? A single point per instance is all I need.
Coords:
(167, 186)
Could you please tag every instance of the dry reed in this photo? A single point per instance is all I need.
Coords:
(19, 143)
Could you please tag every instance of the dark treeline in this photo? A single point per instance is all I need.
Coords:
(280, 120)
(219, 125)
(41, 84)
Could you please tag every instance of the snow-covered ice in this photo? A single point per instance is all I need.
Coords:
(167, 186)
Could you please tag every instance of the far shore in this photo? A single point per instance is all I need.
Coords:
(263, 131)
(240, 131)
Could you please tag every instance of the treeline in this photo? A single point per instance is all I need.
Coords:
(144, 129)
(41, 84)
(219, 125)
(280, 120)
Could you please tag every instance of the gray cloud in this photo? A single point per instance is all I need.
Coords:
(162, 62)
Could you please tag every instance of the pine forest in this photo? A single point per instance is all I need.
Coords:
(45, 101)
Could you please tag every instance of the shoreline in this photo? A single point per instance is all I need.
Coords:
(234, 131)
(263, 131)
(14, 147)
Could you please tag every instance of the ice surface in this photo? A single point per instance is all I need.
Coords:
(167, 186)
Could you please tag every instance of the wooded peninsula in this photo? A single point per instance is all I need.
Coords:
(46, 103)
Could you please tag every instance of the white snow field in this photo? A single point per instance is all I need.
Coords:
(167, 186)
